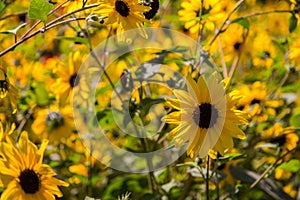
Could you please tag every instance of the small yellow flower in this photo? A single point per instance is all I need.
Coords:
(256, 103)
(23, 174)
(290, 190)
(53, 123)
(7, 91)
(263, 50)
(69, 79)
(6, 130)
(283, 137)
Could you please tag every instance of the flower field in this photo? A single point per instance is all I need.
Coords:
(149, 99)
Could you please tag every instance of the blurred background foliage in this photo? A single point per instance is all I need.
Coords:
(256, 43)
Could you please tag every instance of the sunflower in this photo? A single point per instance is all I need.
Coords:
(128, 14)
(258, 105)
(69, 79)
(23, 174)
(286, 138)
(6, 129)
(53, 123)
(205, 117)
(263, 49)
(232, 46)
(8, 93)
(189, 14)
(213, 12)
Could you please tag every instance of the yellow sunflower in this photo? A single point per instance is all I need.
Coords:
(69, 79)
(53, 123)
(205, 117)
(257, 103)
(189, 14)
(128, 14)
(263, 50)
(23, 174)
(6, 130)
(283, 137)
(8, 93)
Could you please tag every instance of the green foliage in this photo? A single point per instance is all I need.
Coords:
(291, 165)
(135, 184)
(293, 21)
(295, 118)
(41, 94)
(39, 9)
(244, 22)
(2, 6)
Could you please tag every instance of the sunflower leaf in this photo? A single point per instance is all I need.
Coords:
(2, 6)
(291, 165)
(295, 120)
(244, 22)
(39, 9)
(293, 23)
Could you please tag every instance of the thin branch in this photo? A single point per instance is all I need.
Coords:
(73, 12)
(14, 15)
(270, 167)
(234, 65)
(225, 71)
(225, 21)
(41, 30)
(39, 21)
(264, 13)
(54, 22)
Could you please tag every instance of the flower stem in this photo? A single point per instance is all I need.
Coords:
(220, 30)
(207, 178)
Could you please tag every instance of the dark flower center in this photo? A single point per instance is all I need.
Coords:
(266, 55)
(280, 140)
(122, 8)
(255, 101)
(3, 87)
(29, 181)
(205, 115)
(154, 8)
(237, 46)
(54, 120)
(74, 80)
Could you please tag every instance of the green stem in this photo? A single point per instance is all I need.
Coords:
(217, 179)
(207, 178)
(265, 13)
(269, 168)
(238, 4)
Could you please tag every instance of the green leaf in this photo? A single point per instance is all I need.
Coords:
(292, 165)
(293, 87)
(42, 96)
(293, 23)
(39, 9)
(244, 22)
(295, 119)
(2, 6)
(231, 157)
